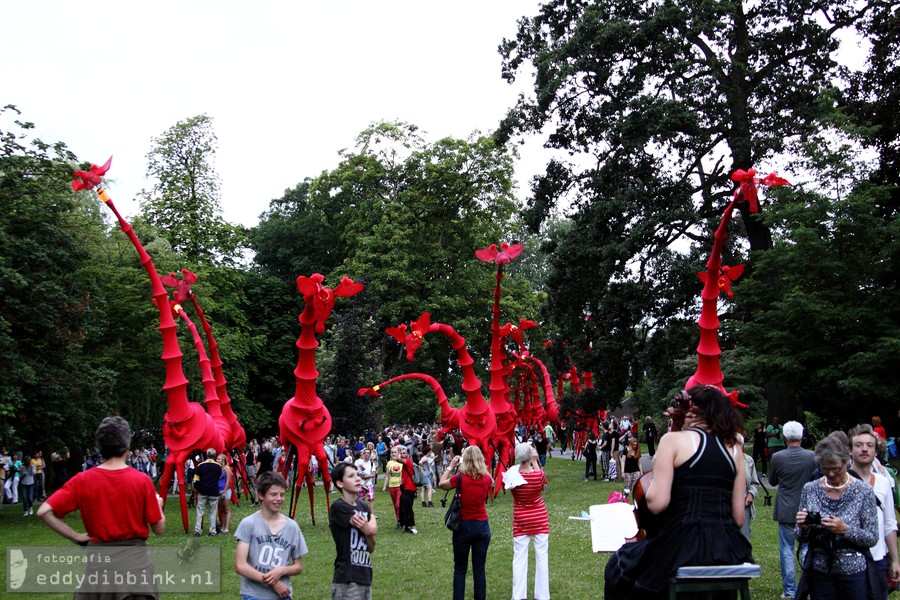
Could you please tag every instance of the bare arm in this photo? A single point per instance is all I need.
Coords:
(272, 577)
(46, 514)
(245, 569)
(740, 487)
(159, 527)
(444, 483)
(660, 492)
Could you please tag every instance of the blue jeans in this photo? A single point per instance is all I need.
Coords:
(786, 542)
(838, 587)
(477, 536)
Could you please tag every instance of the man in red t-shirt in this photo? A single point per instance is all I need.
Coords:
(117, 503)
(118, 507)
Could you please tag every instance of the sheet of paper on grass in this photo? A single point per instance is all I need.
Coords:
(610, 525)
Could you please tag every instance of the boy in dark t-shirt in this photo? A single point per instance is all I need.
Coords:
(353, 528)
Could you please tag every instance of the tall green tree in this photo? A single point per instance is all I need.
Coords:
(184, 200)
(825, 320)
(404, 217)
(51, 391)
(658, 103)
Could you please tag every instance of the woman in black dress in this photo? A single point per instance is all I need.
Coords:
(698, 489)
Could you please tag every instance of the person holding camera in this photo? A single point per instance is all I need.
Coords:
(838, 518)
(474, 487)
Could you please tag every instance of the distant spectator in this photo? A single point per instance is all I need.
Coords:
(878, 429)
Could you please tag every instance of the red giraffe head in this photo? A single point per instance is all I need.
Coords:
(726, 276)
(86, 180)
(412, 339)
(182, 286)
(506, 253)
(749, 184)
(517, 332)
(323, 298)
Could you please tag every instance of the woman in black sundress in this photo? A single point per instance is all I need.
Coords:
(698, 488)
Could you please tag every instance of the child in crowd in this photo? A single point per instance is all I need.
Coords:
(269, 544)
(353, 528)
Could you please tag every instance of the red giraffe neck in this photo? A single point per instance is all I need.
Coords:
(238, 436)
(709, 370)
(305, 373)
(176, 383)
(449, 414)
(499, 387)
(475, 402)
(552, 409)
(210, 397)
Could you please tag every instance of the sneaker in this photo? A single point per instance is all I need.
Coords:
(584, 480)
(430, 504)
(424, 505)
(213, 533)
(399, 526)
(197, 534)
(786, 597)
(412, 530)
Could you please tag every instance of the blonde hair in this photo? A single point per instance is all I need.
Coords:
(472, 462)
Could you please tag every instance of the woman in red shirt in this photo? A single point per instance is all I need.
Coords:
(530, 523)
(879, 430)
(474, 533)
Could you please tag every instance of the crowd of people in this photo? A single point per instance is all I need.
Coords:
(835, 505)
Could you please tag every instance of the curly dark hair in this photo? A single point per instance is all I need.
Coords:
(714, 407)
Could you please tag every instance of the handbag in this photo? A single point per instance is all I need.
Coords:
(454, 514)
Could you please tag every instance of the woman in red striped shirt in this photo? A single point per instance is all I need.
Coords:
(530, 523)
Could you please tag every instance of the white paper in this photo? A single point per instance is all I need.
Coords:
(611, 524)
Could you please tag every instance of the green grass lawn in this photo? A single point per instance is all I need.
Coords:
(421, 566)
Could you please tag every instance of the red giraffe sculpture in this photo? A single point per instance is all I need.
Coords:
(506, 416)
(717, 279)
(305, 421)
(476, 419)
(186, 425)
(449, 414)
(237, 437)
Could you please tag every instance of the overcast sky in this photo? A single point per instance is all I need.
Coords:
(288, 84)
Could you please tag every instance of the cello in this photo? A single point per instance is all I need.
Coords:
(648, 522)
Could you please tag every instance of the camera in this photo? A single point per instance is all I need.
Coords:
(813, 518)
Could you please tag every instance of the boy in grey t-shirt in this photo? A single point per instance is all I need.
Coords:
(269, 544)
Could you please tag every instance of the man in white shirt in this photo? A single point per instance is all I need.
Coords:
(863, 447)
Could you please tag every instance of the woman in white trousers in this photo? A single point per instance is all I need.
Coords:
(530, 523)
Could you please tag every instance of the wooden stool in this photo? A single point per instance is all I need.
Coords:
(713, 579)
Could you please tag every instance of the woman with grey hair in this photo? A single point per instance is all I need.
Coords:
(838, 517)
(530, 523)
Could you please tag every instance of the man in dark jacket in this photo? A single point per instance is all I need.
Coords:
(790, 470)
(206, 482)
